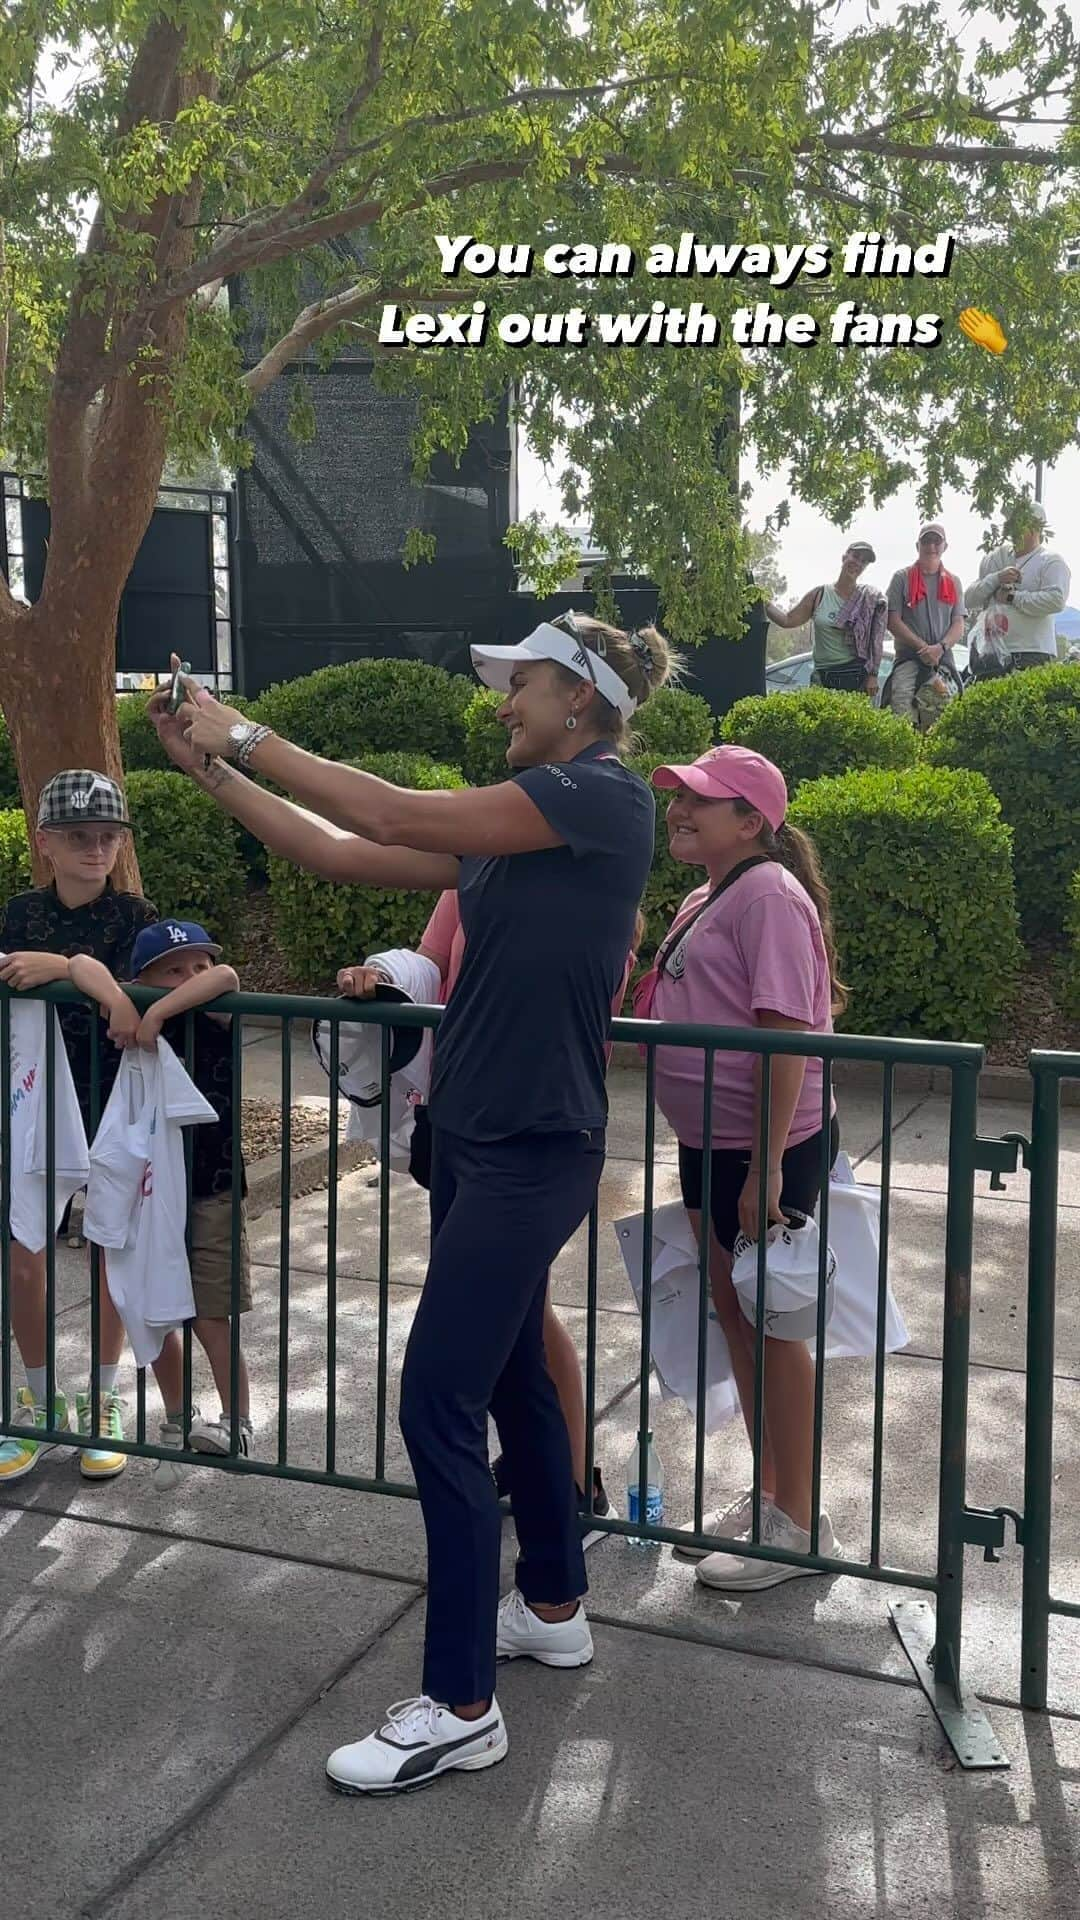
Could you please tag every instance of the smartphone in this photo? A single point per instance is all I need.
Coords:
(177, 693)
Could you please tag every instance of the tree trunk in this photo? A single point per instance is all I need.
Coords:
(58, 693)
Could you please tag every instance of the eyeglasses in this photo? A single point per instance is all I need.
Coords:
(931, 540)
(83, 839)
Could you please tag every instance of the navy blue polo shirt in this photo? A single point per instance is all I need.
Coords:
(521, 1044)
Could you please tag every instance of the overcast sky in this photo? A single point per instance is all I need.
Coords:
(810, 546)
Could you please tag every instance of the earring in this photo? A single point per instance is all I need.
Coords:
(571, 722)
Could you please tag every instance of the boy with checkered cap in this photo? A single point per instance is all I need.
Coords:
(81, 822)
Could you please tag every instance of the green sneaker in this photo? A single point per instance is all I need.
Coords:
(19, 1454)
(94, 1463)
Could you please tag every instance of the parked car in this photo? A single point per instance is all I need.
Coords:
(788, 676)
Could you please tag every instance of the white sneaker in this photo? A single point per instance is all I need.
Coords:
(522, 1634)
(419, 1741)
(166, 1475)
(732, 1574)
(729, 1523)
(212, 1436)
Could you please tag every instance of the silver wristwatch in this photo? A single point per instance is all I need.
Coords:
(244, 737)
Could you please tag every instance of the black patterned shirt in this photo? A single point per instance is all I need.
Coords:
(105, 928)
(212, 1072)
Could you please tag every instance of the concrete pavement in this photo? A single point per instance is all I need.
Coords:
(174, 1669)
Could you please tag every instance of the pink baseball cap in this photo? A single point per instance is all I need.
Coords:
(733, 773)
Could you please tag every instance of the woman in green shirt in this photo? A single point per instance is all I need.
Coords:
(838, 661)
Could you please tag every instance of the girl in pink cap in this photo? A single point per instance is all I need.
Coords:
(752, 947)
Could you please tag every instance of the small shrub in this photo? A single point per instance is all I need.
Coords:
(669, 880)
(673, 725)
(1023, 734)
(486, 740)
(1070, 981)
(918, 862)
(188, 851)
(322, 926)
(815, 732)
(14, 855)
(140, 748)
(9, 779)
(372, 706)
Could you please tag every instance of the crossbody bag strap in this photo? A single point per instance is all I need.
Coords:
(682, 927)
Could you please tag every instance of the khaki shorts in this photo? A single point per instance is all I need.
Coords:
(211, 1257)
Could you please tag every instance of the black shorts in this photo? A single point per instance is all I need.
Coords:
(800, 1166)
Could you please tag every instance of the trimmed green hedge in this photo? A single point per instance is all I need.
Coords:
(486, 740)
(673, 725)
(918, 862)
(1023, 734)
(9, 779)
(669, 880)
(815, 733)
(372, 706)
(188, 851)
(322, 926)
(14, 854)
(140, 748)
(1071, 970)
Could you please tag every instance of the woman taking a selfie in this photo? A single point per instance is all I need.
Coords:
(549, 867)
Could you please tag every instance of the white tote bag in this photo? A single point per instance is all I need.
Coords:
(854, 1228)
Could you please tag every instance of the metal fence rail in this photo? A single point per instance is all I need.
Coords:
(1048, 1070)
(939, 1642)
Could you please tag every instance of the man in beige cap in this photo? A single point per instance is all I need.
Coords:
(1027, 583)
(926, 618)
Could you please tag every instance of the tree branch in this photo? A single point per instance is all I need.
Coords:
(324, 315)
(5, 333)
(79, 362)
(527, 96)
(340, 150)
(946, 155)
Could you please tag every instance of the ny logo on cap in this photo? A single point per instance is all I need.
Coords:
(178, 936)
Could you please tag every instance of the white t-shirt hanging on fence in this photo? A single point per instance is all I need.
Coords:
(136, 1197)
(29, 1143)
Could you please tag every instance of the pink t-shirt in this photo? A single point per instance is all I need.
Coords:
(759, 947)
(444, 939)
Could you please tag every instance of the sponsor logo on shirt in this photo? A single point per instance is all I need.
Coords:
(561, 776)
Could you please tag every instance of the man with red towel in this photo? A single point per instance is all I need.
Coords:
(926, 616)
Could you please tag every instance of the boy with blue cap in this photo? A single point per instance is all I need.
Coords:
(180, 955)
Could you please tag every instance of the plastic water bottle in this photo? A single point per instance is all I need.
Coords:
(654, 1490)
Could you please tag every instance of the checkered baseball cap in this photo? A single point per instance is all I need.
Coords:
(80, 797)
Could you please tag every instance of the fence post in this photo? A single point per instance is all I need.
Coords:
(1039, 1414)
(955, 1353)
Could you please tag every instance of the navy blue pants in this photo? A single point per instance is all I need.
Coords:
(500, 1213)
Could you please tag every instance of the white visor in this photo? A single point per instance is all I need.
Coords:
(495, 665)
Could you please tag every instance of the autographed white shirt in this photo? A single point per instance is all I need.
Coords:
(136, 1199)
(28, 1112)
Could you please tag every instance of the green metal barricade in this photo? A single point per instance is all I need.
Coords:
(1048, 1070)
(933, 1642)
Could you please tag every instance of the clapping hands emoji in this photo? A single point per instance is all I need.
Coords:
(983, 329)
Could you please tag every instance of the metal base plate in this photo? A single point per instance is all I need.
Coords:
(963, 1721)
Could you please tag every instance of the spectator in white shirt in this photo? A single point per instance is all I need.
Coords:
(1028, 583)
